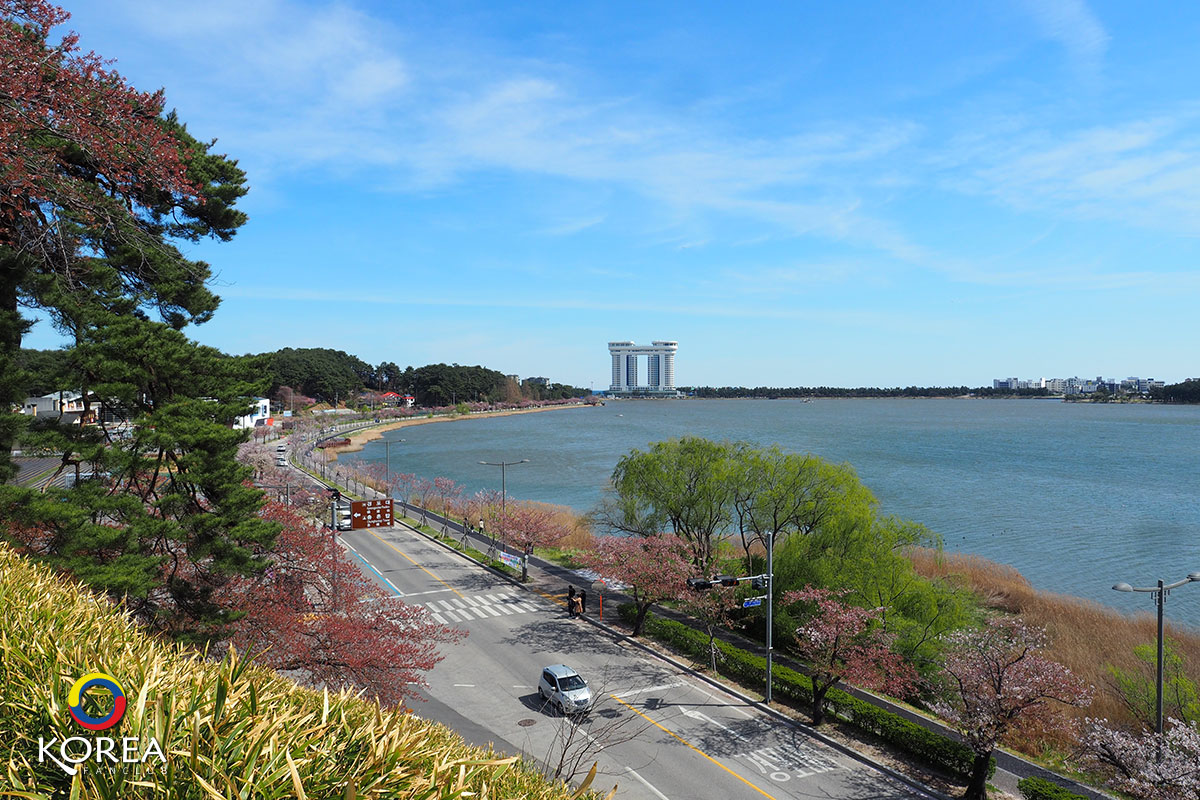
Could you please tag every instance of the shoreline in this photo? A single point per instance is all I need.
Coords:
(360, 438)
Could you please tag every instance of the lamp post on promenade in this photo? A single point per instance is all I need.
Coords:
(503, 491)
(1160, 593)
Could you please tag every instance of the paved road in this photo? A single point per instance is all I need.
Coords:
(657, 732)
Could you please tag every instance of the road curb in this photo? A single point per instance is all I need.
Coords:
(779, 716)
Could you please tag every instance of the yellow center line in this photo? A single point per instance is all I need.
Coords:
(414, 563)
(656, 724)
(558, 599)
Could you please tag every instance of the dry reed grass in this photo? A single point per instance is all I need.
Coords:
(1084, 635)
(227, 728)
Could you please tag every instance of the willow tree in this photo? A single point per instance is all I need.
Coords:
(684, 486)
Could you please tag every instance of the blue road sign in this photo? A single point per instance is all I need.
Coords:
(751, 602)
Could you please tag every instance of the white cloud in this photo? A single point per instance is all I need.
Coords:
(1145, 172)
(1073, 25)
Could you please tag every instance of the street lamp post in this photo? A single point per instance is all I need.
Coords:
(503, 508)
(1160, 593)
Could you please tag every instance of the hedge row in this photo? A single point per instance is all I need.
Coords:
(749, 669)
(1042, 789)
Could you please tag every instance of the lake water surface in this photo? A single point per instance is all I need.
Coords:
(1076, 496)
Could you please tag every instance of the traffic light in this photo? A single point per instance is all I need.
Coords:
(727, 580)
(759, 584)
(698, 584)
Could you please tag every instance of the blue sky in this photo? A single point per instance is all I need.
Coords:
(799, 194)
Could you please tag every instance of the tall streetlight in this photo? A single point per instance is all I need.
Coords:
(1160, 593)
(503, 490)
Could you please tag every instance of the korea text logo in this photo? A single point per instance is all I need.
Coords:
(86, 702)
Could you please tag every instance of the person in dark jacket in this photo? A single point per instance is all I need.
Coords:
(570, 601)
(582, 601)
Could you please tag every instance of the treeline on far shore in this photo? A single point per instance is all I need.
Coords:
(772, 392)
(1186, 392)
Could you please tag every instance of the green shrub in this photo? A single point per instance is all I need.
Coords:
(228, 728)
(749, 669)
(1042, 789)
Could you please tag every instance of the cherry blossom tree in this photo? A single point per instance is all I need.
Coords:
(713, 609)
(1148, 765)
(527, 525)
(315, 612)
(655, 568)
(995, 679)
(424, 490)
(448, 492)
(841, 642)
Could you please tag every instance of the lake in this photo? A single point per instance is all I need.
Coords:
(1075, 496)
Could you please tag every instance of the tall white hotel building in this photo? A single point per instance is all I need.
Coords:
(660, 368)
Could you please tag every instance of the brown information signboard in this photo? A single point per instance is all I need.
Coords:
(371, 514)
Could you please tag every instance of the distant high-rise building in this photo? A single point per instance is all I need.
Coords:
(660, 368)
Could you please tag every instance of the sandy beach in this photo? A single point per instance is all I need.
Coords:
(360, 438)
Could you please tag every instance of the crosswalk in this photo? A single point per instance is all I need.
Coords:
(480, 606)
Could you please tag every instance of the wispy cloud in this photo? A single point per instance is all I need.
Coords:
(1072, 24)
(573, 226)
(1145, 172)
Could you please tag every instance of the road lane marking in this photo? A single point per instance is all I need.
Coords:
(691, 746)
(687, 712)
(465, 685)
(414, 563)
(431, 591)
(647, 784)
(632, 692)
(372, 568)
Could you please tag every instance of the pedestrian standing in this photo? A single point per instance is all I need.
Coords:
(570, 601)
(583, 601)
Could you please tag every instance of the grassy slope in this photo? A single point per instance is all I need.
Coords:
(228, 728)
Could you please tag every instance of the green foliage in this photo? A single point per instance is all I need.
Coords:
(826, 525)
(173, 517)
(446, 384)
(750, 670)
(224, 723)
(684, 485)
(1139, 690)
(319, 372)
(1186, 392)
(775, 392)
(859, 550)
(1041, 789)
(44, 371)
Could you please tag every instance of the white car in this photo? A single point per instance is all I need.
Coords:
(565, 689)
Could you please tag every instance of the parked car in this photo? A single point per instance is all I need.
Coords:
(565, 689)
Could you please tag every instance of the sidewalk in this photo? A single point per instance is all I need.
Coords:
(551, 581)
